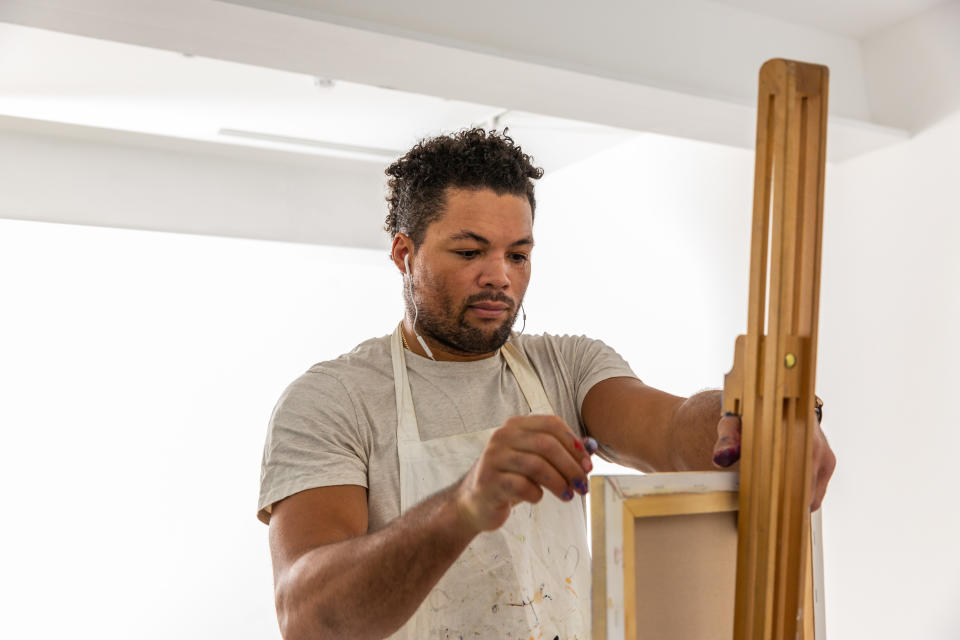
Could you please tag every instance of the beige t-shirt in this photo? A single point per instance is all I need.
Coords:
(337, 423)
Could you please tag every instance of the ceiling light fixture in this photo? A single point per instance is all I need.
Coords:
(321, 147)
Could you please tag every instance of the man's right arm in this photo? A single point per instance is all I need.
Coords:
(333, 580)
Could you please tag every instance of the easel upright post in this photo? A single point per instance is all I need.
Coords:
(772, 382)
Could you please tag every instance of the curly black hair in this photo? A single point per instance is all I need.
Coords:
(469, 159)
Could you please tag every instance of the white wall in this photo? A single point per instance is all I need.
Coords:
(888, 369)
(138, 373)
(646, 247)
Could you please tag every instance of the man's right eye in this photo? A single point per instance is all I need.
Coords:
(467, 253)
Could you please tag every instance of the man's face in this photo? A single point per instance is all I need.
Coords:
(472, 270)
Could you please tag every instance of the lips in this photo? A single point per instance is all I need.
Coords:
(489, 309)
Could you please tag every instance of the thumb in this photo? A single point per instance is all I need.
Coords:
(726, 451)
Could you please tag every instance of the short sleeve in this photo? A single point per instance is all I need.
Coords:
(313, 440)
(591, 361)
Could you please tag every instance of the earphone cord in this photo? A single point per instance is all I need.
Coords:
(416, 313)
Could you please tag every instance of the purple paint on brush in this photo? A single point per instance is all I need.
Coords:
(591, 445)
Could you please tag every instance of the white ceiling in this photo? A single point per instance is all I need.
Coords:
(684, 69)
(852, 18)
(57, 77)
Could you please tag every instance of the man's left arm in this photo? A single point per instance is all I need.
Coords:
(645, 428)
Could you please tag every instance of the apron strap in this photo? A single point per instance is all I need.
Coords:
(527, 378)
(407, 429)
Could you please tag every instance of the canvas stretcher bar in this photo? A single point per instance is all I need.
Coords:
(771, 385)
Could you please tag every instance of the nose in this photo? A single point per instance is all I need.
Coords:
(495, 274)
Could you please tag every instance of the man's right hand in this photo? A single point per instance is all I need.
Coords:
(524, 456)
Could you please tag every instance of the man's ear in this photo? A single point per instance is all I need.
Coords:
(401, 251)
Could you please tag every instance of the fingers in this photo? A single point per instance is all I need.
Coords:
(516, 487)
(824, 463)
(524, 457)
(820, 481)
(539, 470)
(484, 497)
(572, 443)
(726, 451)
(545, 451)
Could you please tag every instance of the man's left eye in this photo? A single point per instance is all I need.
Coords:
(520, 257)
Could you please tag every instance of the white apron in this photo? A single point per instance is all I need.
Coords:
(529, 578)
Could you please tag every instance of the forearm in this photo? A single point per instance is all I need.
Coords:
(368, 586)
(651, 430)
(693, 432)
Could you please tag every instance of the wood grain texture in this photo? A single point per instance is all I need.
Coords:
(672, 504)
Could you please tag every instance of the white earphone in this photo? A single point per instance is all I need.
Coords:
(416, 312)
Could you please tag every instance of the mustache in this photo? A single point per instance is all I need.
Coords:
(487, 296)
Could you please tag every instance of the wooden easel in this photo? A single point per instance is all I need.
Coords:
(771, 385)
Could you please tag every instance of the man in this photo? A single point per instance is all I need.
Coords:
(426, 484)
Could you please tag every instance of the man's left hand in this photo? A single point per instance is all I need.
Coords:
(726, 451)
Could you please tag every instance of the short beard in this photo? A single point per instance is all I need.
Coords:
(454, 332)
